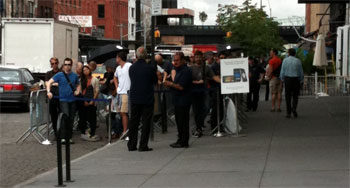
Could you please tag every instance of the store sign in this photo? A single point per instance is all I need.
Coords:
(156, 7)
(234, 75)
(82, 21)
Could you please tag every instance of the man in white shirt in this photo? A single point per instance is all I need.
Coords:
(122, 83)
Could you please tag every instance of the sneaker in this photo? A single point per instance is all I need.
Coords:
(124, 134)
(94, 138)
(127, 138)
(63, 141)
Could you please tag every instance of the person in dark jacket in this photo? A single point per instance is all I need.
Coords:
(54, 105)
(143, 78)
(181, 91)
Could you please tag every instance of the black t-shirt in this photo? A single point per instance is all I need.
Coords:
(254, 73)
(183, 78)
(215, 67)
(105, 87)
(48, 76)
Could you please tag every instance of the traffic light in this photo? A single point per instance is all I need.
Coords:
(157, 34)
(228, 34)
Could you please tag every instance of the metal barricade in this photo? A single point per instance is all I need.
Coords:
(325, 86)
(39, 118)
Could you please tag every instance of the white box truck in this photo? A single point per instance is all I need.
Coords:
(31, 42)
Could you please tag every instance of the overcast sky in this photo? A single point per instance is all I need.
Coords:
(279, 8)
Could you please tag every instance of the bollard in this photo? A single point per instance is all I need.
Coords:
(59, 152)
(68, 174)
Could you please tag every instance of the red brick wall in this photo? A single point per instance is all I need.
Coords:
(116, 12)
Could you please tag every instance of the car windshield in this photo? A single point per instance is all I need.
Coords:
(9, 76)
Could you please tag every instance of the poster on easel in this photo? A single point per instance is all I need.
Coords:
(234, 75)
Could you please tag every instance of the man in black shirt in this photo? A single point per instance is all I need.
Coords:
(54, 103)
(181, 91)
(256, 75)
(143, 77)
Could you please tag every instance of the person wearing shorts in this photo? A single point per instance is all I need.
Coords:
(275, 83)
(122, 83)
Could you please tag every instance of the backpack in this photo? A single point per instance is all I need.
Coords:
(277, 71)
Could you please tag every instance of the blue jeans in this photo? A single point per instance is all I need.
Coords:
(69, 109)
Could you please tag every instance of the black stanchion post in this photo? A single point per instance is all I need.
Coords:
(109, 121)
(164, 113)
(59, 154)
(68, 174)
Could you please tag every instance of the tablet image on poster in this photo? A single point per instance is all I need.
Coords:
(234, 76)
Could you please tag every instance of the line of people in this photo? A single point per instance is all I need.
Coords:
(193, 81)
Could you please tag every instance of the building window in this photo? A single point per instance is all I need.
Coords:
(101, 11)
(132, 29)
(132, 12)
(101, 30)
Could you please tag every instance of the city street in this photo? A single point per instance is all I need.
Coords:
(19, 162)
(310, 151)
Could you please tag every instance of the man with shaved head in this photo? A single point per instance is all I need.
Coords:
(165, 65)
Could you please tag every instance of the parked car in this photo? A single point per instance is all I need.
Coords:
(15, 87)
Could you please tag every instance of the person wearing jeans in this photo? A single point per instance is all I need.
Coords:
(68, 84)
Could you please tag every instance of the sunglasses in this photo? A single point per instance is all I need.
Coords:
(54, 63)
(68, 64)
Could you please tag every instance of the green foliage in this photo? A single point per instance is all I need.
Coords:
(306, 61)
(251, 28)
(203, 17)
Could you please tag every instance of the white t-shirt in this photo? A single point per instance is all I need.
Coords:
(123, 78)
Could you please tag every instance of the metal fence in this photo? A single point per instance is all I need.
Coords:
(325, 86)
(39, 117)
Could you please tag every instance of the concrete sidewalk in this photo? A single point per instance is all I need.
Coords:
(310, 151)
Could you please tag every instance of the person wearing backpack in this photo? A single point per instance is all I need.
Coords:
(275, 82)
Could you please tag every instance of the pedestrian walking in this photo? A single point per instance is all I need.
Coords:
(275, 82)
(68, 84)
(143, 78)
(54, 103)
(181, 92)
(292, 75)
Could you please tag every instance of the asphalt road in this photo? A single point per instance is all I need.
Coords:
(20, 162)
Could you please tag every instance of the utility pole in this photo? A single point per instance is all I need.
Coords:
(261, 4)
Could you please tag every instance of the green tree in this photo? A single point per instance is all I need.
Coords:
(203, 17)
(251, 28)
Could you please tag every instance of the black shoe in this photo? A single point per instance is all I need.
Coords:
(288, 116)
(132, 149)
(295, 114)
(178, 145)
(145, 149)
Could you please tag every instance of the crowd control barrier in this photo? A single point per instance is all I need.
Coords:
(325, 86)
(39, 118)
